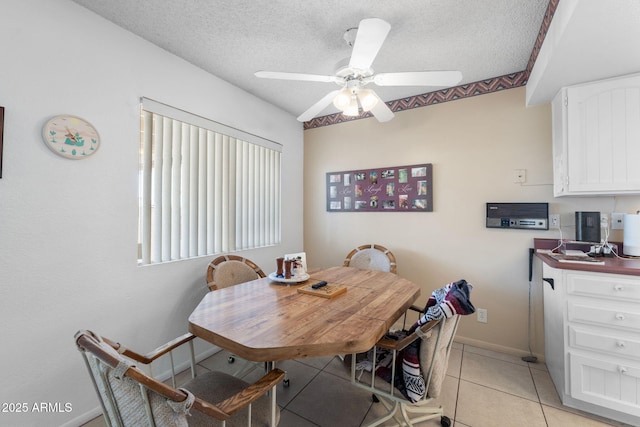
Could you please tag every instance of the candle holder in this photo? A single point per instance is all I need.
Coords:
(279, 264)
(287, 268)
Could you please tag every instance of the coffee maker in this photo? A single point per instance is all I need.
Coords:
(588, 227)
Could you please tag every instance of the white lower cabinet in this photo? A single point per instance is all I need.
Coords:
(605, 382)
(592, 341)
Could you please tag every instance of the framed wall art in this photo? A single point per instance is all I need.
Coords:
(390, 189)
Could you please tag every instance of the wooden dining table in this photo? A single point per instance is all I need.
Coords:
(266, 321)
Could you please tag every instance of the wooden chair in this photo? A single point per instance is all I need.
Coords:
(229, 270)
(437, 340)
(371, 257)
(130, 397)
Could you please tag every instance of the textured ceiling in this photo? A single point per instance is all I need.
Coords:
(233, 39)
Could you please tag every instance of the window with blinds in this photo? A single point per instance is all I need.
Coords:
(205, 188)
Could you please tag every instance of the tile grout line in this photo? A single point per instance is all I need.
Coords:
(535, 387)
(349, 381)
(301, 390)
(537, 400)
(455, 408)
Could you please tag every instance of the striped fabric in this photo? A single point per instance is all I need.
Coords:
(446, 302)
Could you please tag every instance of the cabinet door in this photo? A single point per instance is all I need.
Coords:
(606, 383)
(603, 137)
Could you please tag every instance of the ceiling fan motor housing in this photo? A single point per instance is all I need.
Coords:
(343, 71)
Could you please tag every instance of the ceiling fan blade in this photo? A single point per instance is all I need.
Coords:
(317, 107)
(371, 34)
(418, 78)
(295, 76)
(381, 111)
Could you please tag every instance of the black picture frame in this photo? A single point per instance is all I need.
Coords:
(390, 189)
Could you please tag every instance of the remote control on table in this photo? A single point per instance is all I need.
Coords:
(319, 285)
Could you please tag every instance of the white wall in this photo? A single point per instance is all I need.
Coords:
(68, 228)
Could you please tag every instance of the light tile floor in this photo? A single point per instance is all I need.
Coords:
(482, 388)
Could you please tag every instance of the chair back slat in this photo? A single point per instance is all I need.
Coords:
(371, 257)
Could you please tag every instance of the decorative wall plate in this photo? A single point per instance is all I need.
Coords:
(71, 137)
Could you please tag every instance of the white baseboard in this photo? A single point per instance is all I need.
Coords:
(84, 418)
(495, 347)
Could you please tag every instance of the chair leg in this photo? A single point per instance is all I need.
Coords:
(391, 412)
(401, 413)
(268, 366)
(428, 413)
(273, 407)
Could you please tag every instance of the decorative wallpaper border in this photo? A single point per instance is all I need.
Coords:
(544, 28)
(482, 87)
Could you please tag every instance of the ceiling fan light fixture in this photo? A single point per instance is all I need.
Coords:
(342, 99)
(368, 99)
(353, 108)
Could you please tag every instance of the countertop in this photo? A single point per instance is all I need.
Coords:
(612, 264)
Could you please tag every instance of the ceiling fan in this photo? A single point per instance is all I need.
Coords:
(354, 73)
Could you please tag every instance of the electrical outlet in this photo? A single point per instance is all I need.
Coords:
(604, 220)
(617, 221)
(554, 220)
(482, 315)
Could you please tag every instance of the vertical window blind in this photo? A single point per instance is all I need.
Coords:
(205, 188)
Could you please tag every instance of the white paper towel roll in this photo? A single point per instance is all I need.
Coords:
(631, 241)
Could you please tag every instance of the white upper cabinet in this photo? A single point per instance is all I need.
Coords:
(586, 41)
(596, 138)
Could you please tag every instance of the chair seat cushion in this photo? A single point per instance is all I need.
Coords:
(215, 387)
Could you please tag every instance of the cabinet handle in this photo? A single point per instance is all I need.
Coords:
(619, 316)
(622, 369)
(618, 288)
(621, 344)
